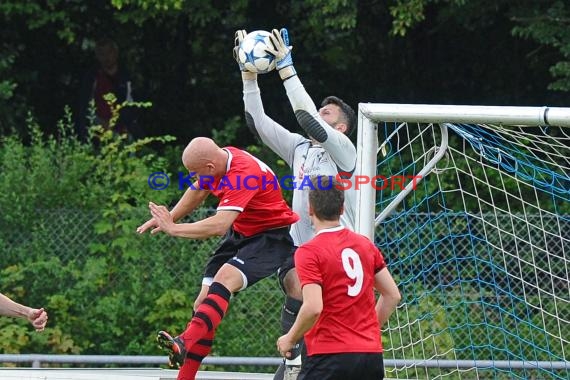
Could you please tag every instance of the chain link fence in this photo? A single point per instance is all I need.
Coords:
(125, 283)
(463, 278)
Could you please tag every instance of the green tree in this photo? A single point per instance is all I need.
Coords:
(179, 54)
(545, 22)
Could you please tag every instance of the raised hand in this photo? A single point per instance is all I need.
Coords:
(162, 217)
(151, 224)
(239, 36)
(281, 49)
(38, 318)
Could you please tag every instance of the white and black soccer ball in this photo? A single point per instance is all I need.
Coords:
(252, 54)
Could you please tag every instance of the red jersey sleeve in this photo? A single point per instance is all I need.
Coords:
(379, 262)
(234, 195)
(307, 266)
(250, 188)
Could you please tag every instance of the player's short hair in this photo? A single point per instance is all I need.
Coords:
(348, 115)
(326, 197)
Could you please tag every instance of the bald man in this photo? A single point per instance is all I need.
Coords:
(254, 219)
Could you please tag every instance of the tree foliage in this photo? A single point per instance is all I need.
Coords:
(68, 242)
(179, 53)
(545, 22)
(548, 23)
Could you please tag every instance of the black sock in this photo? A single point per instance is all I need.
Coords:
(288, 315)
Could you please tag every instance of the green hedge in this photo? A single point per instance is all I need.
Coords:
(67, 235)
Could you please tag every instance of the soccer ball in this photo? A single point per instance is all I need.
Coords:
(252, 54)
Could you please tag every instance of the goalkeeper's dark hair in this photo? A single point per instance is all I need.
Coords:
(347, 112)
(326, 197)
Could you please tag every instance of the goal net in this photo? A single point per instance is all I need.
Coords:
(470, 206)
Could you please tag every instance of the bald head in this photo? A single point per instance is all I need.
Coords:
(203, 151)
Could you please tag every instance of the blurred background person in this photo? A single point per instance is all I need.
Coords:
(108, 76)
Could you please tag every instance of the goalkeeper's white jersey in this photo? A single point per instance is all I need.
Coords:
(336, 154)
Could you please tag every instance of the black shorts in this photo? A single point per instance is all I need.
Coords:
(257, 257)
(348, 366)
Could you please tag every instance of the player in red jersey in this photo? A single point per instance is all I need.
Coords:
(255, 220)
(340, 319)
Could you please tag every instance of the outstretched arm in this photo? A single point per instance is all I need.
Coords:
(271, 133)
(192, 198)
(37, 317)
(274, 135)
(216, 225)
(336, 143)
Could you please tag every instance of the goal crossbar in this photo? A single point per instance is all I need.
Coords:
(438, 113)
(369, 114)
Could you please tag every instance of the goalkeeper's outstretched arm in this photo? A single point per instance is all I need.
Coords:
(271, 133)
(336, 143)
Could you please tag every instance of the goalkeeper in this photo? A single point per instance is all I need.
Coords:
(325, 152)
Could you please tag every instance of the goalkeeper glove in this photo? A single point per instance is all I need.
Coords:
(239, 36)
(282, 52)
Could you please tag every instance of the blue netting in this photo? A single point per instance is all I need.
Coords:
(480, 250)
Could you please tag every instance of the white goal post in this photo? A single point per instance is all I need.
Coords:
(479, 244)
(370, 114)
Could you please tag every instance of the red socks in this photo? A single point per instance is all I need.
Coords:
(200, 332)
(194, 358)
